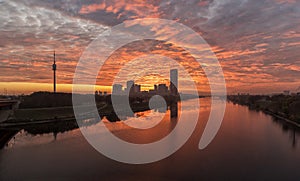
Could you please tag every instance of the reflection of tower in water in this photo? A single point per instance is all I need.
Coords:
(294, 138)
(174, 92)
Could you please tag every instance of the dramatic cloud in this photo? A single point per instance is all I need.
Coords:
(30, 34)
(256, 41)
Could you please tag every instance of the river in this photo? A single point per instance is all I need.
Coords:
(250, 145)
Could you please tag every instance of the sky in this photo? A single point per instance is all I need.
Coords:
(257, 42)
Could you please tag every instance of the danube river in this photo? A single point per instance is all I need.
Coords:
(250, 145)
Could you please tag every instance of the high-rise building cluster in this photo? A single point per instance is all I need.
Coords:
(161, 89)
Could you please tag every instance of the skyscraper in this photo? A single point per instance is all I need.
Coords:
(174, 82)
(162, 89)
(54, 73)
(129, 84)
(136, 88)
(117, 89)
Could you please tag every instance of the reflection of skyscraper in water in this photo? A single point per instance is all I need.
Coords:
(174, 110)
(174, 82)
(174, 91)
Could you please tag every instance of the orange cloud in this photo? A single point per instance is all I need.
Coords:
(132, 8)
(134, 50)
(92, 8)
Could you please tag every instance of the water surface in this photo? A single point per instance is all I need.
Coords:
(249, 146)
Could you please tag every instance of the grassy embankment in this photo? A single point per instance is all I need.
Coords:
(281, 106)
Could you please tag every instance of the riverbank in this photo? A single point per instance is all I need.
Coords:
(282, 118)
(55, 115)
(279, 106)
(46, 107)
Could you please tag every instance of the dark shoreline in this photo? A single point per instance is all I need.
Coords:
(47, 107)
(279, 106)
(281, 118)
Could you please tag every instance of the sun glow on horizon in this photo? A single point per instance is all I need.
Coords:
(15, 88)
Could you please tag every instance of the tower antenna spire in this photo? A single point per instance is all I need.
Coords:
(54, 72)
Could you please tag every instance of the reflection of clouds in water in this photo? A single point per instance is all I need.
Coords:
(142, 119)
(23, 138)
(145, 121)
(148, 118)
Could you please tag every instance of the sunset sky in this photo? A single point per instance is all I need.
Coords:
(257, 42)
